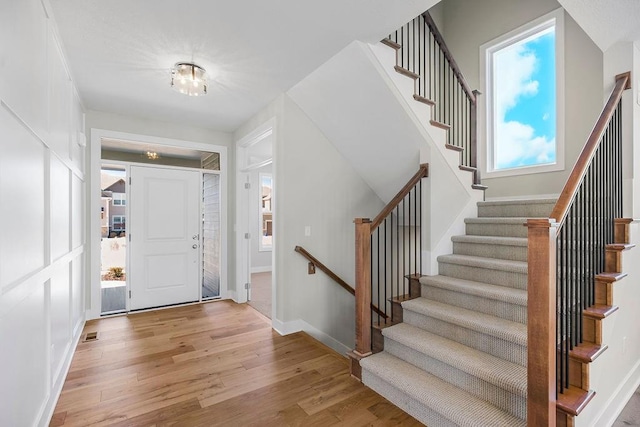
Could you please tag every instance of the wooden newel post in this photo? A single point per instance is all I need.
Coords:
(541, 323)
(363, 286)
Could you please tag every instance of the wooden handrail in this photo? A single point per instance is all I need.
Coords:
(344, 285)
(423, 172)
(542, 283)
(447, 54)
(561, 208)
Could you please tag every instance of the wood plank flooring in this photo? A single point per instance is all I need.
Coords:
(212, 364)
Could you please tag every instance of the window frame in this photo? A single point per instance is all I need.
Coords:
(262, 246)
(121, 197)
(485, 107)
(123, 219)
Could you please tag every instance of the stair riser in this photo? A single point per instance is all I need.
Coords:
(502, 309)
(513, 352)
(498, 230)
(411, 406)
(512, 253)
(520, 211)
(508, 401)
(494, 277)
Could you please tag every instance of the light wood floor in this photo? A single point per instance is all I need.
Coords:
(212, 364)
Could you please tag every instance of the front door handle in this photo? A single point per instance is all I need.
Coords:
(194, 246)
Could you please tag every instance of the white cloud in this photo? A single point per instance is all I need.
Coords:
(517, 146)
(518, 64)
(515, 142)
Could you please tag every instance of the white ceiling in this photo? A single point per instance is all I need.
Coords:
(120, 51)
(606, 21)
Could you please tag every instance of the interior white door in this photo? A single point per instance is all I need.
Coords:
(164, 227)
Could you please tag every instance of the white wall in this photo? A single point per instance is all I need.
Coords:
(156, 128)
(42, 182)
(260, 260)
(468, 25)
(315, 187)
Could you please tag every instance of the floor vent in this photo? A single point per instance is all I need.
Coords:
(91, 336)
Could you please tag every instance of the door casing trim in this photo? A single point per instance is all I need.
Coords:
(92, 228)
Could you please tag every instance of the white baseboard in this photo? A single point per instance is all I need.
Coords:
(50, 405)
(232, 295)
(618, 400)
(293, 326)
(263, 269)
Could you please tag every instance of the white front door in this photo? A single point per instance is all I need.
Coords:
(165, 236)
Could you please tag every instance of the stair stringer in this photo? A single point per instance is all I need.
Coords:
(384, 59)
(447, 194)
(446, 209)
(446, 212)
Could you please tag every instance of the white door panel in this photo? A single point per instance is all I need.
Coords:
(164, 227)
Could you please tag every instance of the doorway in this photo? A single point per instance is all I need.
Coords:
(256, 220)
(171, 224)
(261, 223)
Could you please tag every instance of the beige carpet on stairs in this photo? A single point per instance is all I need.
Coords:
(459, 358)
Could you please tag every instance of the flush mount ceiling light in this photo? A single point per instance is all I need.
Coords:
(189, 78)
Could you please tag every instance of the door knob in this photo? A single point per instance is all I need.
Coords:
(194, 246)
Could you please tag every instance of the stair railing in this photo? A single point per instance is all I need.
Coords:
(565, 252)
(422, 50)
(388, 251)
(344, 285)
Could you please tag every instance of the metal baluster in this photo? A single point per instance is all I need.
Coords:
(420, 184)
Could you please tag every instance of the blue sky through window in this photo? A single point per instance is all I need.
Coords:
(524, 84)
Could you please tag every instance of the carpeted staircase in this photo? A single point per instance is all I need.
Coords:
(459, 358)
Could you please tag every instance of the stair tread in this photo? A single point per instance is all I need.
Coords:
(573, 400)
(488, 263)
(406, 72)
(517, 202)
(382, 324)
(495, 292)
(610, 277)
(391, 43)
(424, 100)
(600, 311)
(436, 394)
(484, 323)
(502, 373)
(453, 147)
(587, 352)
(402, 298)
(497, 220)
(620, 246)
(491, 240)
(445, 127)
